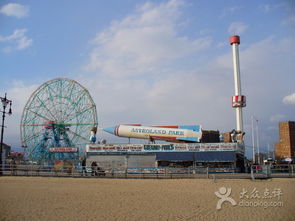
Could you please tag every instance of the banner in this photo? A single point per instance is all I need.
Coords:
(95, 148)
(63, 150)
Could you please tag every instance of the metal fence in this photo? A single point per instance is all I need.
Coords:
(272, 171)
(257, 172)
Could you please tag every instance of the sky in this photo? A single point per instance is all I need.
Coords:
(154, 62)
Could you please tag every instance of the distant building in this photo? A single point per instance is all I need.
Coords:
(6, 149)
(285, 148)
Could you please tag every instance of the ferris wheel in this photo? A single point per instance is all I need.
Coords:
(57, 120)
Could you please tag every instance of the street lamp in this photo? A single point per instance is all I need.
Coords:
(5, 103)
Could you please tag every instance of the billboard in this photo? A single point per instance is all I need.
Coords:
(63, 150)
(145, 148)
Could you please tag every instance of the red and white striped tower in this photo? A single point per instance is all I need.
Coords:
(238, 101)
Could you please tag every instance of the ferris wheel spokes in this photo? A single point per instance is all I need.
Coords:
(60, 113)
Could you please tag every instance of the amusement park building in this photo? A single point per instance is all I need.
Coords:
(226, 155)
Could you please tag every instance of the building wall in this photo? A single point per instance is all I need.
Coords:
(122, 161)
(286, 146)
(107, 161)
(5, 152)
(141, 161)
(226, 137)
(150, 160)
(210, 136)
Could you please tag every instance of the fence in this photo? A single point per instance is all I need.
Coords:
(272, 171)
(257, 172)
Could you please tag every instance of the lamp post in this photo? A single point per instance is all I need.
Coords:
(5, 103)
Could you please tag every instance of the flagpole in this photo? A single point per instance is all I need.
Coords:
(257, 137)
(253, 141)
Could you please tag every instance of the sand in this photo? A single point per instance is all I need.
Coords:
(39, 198)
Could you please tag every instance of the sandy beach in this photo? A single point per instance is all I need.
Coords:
(39, 198)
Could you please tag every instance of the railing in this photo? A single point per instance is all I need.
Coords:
(270, 171)
(257, 172)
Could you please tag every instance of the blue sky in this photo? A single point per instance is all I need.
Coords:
(154, 62)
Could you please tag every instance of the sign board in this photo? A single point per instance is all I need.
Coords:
(63, 150)
(144, 148)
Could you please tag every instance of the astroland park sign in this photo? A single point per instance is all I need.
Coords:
(200, 147)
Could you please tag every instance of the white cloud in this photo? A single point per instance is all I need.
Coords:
(259, 56)
(180, 98)
(289, 20)
(290, 99)
(237, 28)
(265, 8)
(143, 42)
(292, 19)
(19, 93)
(272, 128)
(277, 118)
(230, 10)
(13, 9)
(221, 44)
(16, 41)
(262, 63)
(163, 94)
